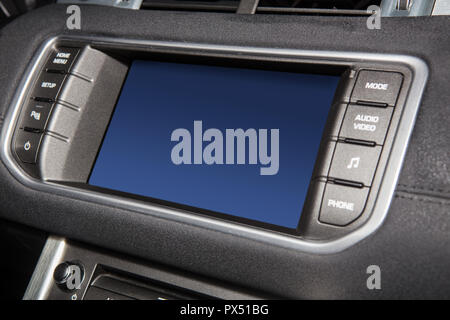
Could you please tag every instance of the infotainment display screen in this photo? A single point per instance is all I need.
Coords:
(223, 141)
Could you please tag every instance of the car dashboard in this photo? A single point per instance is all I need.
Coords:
(226, 150)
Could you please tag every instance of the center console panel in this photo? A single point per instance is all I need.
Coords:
(109, 276)
(60, 121)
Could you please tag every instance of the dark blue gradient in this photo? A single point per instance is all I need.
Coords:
(158, 98)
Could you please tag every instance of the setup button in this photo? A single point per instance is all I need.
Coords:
(48, 86)
(342, 205)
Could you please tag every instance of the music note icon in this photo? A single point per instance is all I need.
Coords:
(354, 163)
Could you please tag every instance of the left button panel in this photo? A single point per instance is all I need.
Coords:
(27, 145)
(39, 103)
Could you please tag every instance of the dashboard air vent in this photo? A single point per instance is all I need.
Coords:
(316, 7)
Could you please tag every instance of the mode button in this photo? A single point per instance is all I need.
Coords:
(379, 87)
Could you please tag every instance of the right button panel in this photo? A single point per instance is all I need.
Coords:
(360, 143)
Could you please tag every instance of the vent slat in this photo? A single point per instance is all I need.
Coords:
(211, 6)
(300, 7)
(312, 11)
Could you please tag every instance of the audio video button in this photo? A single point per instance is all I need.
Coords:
(366, 123)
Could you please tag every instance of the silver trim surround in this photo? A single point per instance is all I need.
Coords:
(420, 75)
(123, 4)
(39, 285)
(441, 8)
(57, 250)
(4, 10)
(416, 8)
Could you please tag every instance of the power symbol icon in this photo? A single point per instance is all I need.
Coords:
(27, 146)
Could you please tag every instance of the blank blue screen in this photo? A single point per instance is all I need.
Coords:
(158, 98)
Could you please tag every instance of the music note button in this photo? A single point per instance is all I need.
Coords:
(355, 163)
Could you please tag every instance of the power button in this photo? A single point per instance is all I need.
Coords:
(27, 145)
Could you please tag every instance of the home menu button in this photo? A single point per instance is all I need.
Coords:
(62, 59)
